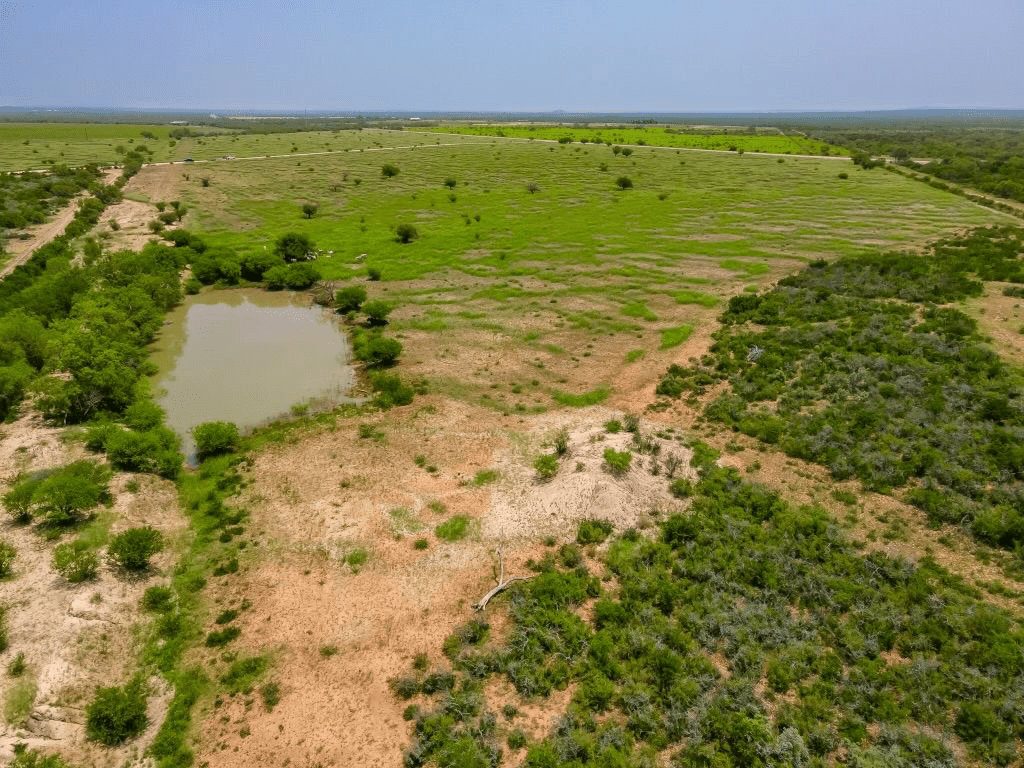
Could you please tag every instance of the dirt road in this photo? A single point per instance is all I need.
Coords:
(20, 250)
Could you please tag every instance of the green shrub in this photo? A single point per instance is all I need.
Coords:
(593, 531)
(516, 739)
(215, 437)
(75, 561)
(624, 182)
(154, 451)
(406, 233)
(243, 673)
(116, 714)
(349, 299)
(546, 465)
(7, 555)
(357, 558)
(389, 171)
(378, 351)
(31, 758)
(68, 493)
(271, 695)
(132, 549)
(158, 599)
(377, 312)
(453, 529)
(618, 462)
(218, 638)
(17, 666)
(570, 555)
(681, 488)
(613, 426)
(294, 246)
(420, 544)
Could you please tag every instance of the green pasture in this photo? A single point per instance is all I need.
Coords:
(653, 135)
(25, 146)
(552, 276)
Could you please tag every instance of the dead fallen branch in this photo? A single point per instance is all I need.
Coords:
(501, 585)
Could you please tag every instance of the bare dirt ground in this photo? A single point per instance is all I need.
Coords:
(314, 501)
(75, 636)
(156, 183)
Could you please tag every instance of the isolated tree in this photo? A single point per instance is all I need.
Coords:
(406, 233)
(389, 171)
(293, 246)
(450, 182)
(533, 187)
(309, 210)
(624, 182)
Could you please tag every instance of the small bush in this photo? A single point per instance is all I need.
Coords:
(420, 544)
(378, 351)
(613, 426)
(215, 437)
(593, 531)
(624, 182)
(453, 529)
(243, 673)
(17, 666)
(618, 462)
(116, 714)
(450, 182)
(404, 687)
(357, 558)
(218, 638)
(546, 466)
(570, 555)
(132, 549)
(7, 555)
(389, 171)
(271, 695)
(158, 599)
(561, 442)
(516, 739)
(349, 299)
(75, 561)
(681, 488)
(377, 311)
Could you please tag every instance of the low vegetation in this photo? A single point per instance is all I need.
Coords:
(854, 365)
(718, 642)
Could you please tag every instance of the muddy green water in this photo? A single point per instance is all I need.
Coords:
(247, 356)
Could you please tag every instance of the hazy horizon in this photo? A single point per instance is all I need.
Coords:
(533, 57)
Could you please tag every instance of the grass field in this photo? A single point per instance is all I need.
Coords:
(35, 145)
(655, 136)
(558, 284)
(25, 146)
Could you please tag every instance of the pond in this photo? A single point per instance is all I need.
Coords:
(247, 356)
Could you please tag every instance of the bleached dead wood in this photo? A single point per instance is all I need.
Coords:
(501, 585)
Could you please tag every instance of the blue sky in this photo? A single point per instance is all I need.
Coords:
(527, 55)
